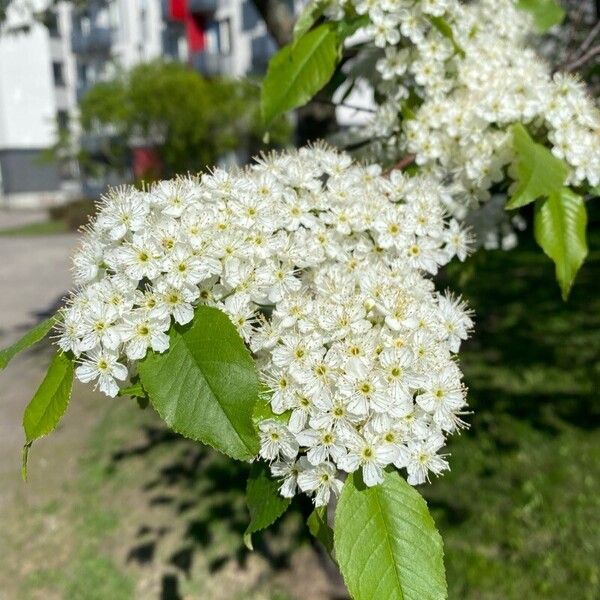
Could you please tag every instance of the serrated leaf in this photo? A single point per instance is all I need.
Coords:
(386, 543)
(539, 172)
(446, 30)
(309, 16)
(546, 13)
(205, 386)
(560, 223)
(32, 337)
(265, 503)
(49, 403)
(299, 70)
(319, 528)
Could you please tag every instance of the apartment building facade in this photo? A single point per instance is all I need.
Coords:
(45, 69)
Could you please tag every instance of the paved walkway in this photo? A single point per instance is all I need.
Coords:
(34, 275)
(18, 218)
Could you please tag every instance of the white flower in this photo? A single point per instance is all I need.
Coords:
(370, 453)
(322, 445)
(123, 211)
(139, 332)
(177, 301)
(139, 258)
(104, 367)
(276, 440)
(182, 268)
(322, 481)
(323, 267)
(471, 91)
(364, 389)
(99, 327)
(287, 473)
(421, 457)
(443, 398)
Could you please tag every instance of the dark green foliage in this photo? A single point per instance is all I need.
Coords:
(192, 122)
(265, 503)
(518, 511)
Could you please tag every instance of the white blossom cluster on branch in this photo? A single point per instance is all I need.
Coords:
(451, 99)
(323, 266)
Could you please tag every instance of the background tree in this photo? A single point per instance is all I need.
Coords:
(187, 121)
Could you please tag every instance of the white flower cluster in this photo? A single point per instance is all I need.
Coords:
(322, 266)
(466, 92)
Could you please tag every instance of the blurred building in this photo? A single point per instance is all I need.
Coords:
(46, 68)
(36, 94)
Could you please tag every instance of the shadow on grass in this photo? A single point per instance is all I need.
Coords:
(204, 493)
(519, 504)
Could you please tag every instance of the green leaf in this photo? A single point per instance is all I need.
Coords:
(446, 30)
(309, 16)
(136, 390)
(319, 528)
(546, 13)
(205, 386)
(33, 336)
(538, 171)
(264, 501)
(560, 223)
(350, 26)
(299, 70)
(263, 411)
(49, 403)
(386, 543)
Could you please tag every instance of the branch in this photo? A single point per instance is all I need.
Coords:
(578, 63)
(590, 38)
(404, 162)
(278, 18)
(326, 102)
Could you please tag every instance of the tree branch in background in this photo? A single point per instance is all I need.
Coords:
(591, 36)
(278, 18)
(582, 60)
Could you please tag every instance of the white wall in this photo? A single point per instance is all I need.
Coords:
(27, 101)
(139, 26)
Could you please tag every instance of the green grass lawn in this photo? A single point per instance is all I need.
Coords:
(152, 515)
(49, 227)
(520, 510)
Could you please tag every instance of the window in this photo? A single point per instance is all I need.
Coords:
(82, 75)
(218, 37)
(58, 74)
(52, 24)
(62, 119)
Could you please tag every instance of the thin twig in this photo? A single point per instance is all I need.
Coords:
(576, 64)
(590, 38)
(404, 162)
(343, 105)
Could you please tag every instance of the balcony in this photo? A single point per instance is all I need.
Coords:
(96, 40)
(202, 7)
(211, 64)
